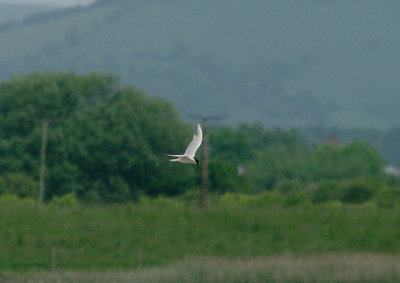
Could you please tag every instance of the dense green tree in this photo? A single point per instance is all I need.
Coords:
(350, 190)
(385, 140)
(231, 144)
(267, 155)
(224, 177)
(104, 143)
(277, 163)
(272, 156)
(26, 101)
(352, 160)
(117, 149)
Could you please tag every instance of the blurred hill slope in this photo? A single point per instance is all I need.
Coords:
(286, 63)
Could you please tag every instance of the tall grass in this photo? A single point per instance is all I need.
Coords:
(129, 236)
(283, 268)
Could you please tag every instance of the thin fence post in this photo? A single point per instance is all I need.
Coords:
(43, 162)
(139, 259)
(53, 259)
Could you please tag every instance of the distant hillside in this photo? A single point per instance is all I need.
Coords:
(17, 12)
(281, 62)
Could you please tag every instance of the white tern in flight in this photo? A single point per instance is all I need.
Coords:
(189, 157)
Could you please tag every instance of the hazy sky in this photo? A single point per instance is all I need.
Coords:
(49, 2)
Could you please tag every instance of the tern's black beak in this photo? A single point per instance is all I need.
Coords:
(197, 162)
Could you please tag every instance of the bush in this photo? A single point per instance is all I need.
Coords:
(66, 200)
(353, 160)
(160, 201)
(297, 198)
(388, 197)
(191, 196)
(326, 191)
(254, 200)
(357, 190)
(18, 184)
(8, 199)
(335, 204)
(230, 198)
(223, 175)
(264, 199)
(289, 186)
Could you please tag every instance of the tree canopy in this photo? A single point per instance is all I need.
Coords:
(104, 143)
(107, 143)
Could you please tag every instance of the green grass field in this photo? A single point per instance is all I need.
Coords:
(167, 241)
(125, 237)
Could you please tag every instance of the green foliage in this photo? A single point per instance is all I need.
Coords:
(278, 159)
(18, 184)
(191, 196)
(289, 186)
(104, 143)
(280, 163)
(326, 191)
(388, 197)
(66, 200)
(254, 200)
(26, 101)
(386, 141)
(267, 199)
(241, 144)
(352, 160)
(232, 144)
(268, 156)
(160, 201)
(357, 190)
(297, 198)
(264, 199)
(107, 144)
(15, 201)
(126, 138)
(368, 191)
(223, 176)
(275, 164)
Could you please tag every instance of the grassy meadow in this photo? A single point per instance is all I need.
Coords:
(175, 241)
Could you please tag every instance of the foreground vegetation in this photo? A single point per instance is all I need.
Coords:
(165, 231)
(282, 268)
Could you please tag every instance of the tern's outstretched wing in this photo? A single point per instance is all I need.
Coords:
(196, 142)
(174, 155)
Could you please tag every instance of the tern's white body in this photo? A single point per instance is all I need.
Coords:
(188, 157)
